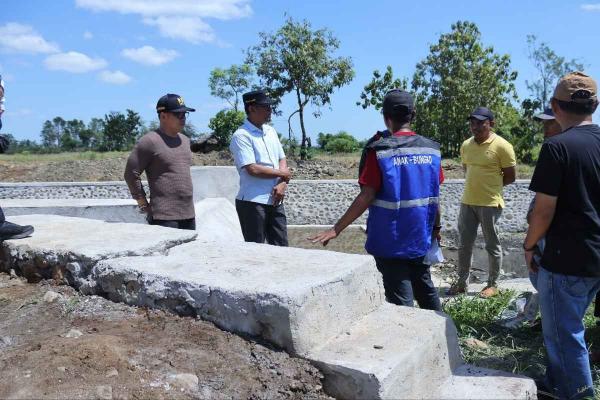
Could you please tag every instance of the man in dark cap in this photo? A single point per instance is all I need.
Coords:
(404, 217)
(264, 174)
(166, 157)
(566, 183)
(550, 126)
(489, 162)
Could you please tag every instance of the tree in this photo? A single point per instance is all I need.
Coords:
(230, 83)
(550, 67)
(459, 74)
(527, 132)
(224, 125)
(69, 139)
(297, 59)
(120, 131)
(341, 142)
(374, 92)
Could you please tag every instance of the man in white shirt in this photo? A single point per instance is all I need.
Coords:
(264, 174)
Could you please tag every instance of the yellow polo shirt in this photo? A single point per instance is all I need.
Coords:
(484, 162)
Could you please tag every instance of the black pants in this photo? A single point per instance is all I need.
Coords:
(189, 224)
(262, 222)
(404, 280)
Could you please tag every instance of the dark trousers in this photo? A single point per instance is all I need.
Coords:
(405, 279)
(189, 224)
(262, 222)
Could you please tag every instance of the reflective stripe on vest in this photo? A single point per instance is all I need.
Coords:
(390, 205)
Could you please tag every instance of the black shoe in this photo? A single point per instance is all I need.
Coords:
(8, 231)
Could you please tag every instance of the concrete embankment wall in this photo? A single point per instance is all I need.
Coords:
(309, 202)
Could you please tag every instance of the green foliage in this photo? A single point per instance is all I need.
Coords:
(374, 92)
(120, 131)
(472, 315)
(224, 124)
(459, 74)
(550, 67)
(229, 84)
(341, 142)
(527, 133)
(297, 59)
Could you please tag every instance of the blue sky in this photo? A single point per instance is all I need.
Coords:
(84, 58)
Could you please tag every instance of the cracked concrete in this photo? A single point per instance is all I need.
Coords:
(324, 306)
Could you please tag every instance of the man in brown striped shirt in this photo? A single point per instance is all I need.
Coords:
(165, 156)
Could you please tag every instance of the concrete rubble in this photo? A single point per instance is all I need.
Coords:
(323, 306)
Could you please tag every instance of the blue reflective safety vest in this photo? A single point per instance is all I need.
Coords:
(402, 215)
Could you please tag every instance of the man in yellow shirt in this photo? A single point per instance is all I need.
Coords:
(489, 162)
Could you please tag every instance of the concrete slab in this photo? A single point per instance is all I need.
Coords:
(215, 181)
(111, 210)
(294, 298)
(217, 220)
(67, 247)
(400, 352)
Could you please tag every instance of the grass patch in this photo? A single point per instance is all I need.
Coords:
(520, 351)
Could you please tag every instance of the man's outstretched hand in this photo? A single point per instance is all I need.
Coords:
(324, 237)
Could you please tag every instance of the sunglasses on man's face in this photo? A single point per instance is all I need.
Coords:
(180, 115)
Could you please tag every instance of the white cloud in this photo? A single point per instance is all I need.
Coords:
(590, 7)
(15, 37)
(177, 19)
(148, 55)
(115, 77)
(87, 35)
(74, 62)
(191, 29)
(220, 9)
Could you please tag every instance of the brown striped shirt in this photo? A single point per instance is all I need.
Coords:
(167, 161)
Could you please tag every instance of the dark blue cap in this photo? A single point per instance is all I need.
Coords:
(257, 97)
(547, 114)
(398, 102)
(172, 103)
(482, 113)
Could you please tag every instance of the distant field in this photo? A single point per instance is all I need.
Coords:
(96, 166)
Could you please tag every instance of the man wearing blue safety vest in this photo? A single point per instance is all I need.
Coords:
(400, 176)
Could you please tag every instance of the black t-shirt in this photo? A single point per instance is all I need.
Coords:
(569, 168)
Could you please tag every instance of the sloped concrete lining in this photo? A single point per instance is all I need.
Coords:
(407, 353)
(217, 220)
(66, 248)
(111, 210)
(294, 298)
(215, 182)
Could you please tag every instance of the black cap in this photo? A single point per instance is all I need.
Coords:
(257, 97)
(547, 114)
(398, 101)
(172, 103)
(482, 113)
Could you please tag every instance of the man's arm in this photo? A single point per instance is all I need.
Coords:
(136, 164)
(540, 220)
(280, 188)
(356, 209)
(508, 175)
(261, 171)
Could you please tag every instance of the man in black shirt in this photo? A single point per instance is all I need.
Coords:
(567, 211)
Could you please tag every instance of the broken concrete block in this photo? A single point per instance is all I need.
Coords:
(294, 298)
(419, 359)
(78, 243)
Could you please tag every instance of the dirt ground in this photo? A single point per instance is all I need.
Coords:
(85, 347)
